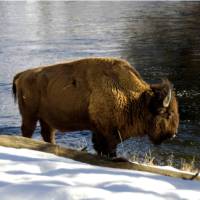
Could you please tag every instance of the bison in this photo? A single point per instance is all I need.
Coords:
(104, 95)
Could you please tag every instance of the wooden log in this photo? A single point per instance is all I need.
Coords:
(22, 142)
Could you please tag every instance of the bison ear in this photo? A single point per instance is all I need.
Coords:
(162, 93)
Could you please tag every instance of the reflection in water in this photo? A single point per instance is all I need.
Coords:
(161, 39)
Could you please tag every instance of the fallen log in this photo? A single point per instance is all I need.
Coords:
(22, 142)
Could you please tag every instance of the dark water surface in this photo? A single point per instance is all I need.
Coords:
(161, 39)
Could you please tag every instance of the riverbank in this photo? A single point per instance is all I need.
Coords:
(120, 163)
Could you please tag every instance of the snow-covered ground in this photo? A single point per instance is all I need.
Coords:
(33, 175)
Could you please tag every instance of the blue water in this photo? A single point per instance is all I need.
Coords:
(161, 39)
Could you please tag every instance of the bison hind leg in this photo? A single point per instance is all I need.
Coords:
(47, 132)
(28, 126)
(102, 146)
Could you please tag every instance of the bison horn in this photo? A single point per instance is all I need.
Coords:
(167, 99)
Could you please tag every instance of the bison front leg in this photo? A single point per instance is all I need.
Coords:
(47, 132)
(103, 145)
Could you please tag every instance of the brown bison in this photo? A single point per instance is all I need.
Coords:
(104, 95)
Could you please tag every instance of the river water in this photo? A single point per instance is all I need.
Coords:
(161, 39)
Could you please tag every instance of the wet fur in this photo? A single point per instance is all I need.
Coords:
(104, 95)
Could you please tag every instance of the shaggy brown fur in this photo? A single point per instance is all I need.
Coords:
(104, 95)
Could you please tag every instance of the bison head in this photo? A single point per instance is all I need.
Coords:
(163, 114)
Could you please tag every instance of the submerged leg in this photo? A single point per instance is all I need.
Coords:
(47, 132)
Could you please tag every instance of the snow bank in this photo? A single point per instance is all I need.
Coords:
(30, 175)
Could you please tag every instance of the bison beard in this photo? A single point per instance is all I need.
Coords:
(104, 95)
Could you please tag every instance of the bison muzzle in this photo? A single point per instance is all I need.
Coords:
(104, 95)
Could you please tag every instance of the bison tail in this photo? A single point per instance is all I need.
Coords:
(14, 87)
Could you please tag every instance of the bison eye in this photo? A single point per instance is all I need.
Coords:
(162, 110)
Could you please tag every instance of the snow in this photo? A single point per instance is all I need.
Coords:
(30, 175)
